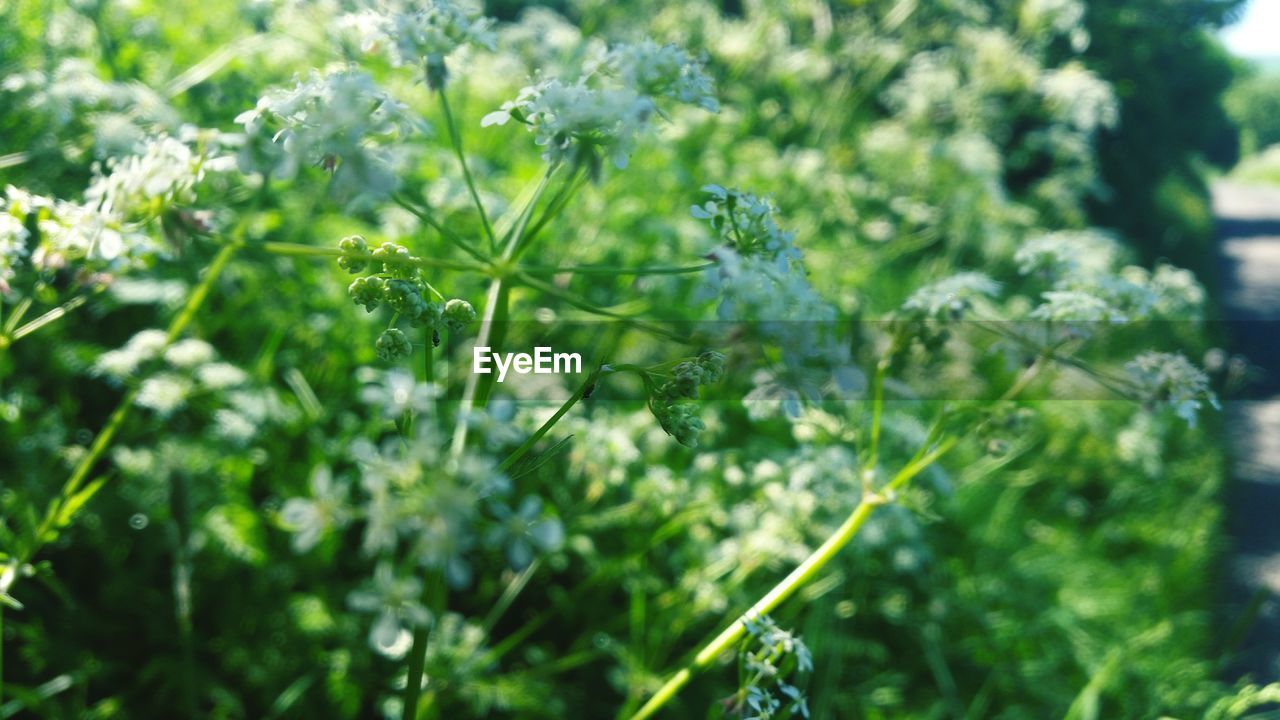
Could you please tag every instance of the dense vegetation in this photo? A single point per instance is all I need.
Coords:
(880, 290)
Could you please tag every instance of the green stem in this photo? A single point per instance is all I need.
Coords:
(581, 304)
(456, 140)
(300, 250)
(615, 269)
(533, 439)
(877, 412)
(798, 578)
(46, 318)
(47, 529)
(445, 232)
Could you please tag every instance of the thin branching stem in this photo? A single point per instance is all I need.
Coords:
(456, 140)
(798, 578)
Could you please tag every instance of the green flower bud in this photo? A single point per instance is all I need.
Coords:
(367, 291)
(356, 245)
(395, 260)
(458, 314)
(682, 423)
(712, 364)
(402, 295)
(686, 377)
(393, 345)
(424, 314)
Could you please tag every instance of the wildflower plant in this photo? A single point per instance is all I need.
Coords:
(456, 503)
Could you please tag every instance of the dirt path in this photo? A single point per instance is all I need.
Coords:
(1249, 233)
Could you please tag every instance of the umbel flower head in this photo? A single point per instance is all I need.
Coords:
(418, 32)
(605, 111)
(330, 119)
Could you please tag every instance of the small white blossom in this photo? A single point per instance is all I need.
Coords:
(189, 353)
(311, 518)
(1171, 379)
(220, 376)
(1080, 98)
(396, 601)
(164, 393)
(951, 295)
(413, 31)
(163, 172)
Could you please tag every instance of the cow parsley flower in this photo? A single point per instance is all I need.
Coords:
(142, 347)
(950, 296)
(414, 32)
(604, 112)
(662, 71)
(13, 246)
(165, 171)
(395, 392)
(523, 530)
(331, 119)
(164, 393)
(1171, 379)
(396, 602)
(311, 518)
(189, 353)
(1080, 98)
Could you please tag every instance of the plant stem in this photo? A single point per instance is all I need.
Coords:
(300, 250)
(533, 439)
(53, 517)
(456, 140)
(793, 582)
(614, 269)
(426, 217)
(46, 318)
(581, 304)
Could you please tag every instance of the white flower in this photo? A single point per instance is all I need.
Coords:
(220, 376)
(1080, 98)
(396, 602)
(1076, 306)
(163, 172)
(412, 31)
(330, 119)
(142, 347)
(1171, 379)
(662, 71)
(951, 295)
(189, 353)
(580, 120)
(164, 393)
(13, 245)
(311, 518)
(395, 392)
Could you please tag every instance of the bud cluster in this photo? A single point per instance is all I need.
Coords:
(396, 281)
(672, 402)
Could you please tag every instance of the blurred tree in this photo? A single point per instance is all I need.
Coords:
(1169, 74)
(1253, 102)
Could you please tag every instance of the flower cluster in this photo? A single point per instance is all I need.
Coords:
(604, 112)
(165, 172)
(329, 120)
(107, 231)
(950, 297)
(421, 508)
(418, 32)
(759, 279)
(396, 281)
(671, 402)
(1085, 286)
(189, 368)
(1171, 379)
(774, 654)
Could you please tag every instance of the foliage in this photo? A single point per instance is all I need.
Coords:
(857, 363)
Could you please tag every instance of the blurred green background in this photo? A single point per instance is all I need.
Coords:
(1065, 561)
